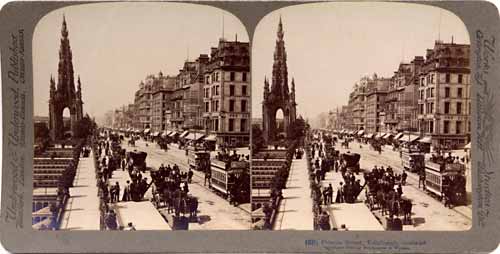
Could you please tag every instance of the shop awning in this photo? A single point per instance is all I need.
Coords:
(156, 134)
(369, 135)
(425, 139)
(399, 135)
(173, 133)
(468, 146)
(409, 138)
(194, 136)
(184, 134)
(164, 134)
(380, 135)
(361, 132)
(146, 131)
(387, 136)
(211, 137)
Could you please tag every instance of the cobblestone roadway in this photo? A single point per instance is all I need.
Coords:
(428, 212)
(215, 213)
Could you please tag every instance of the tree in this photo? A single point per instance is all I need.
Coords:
(258, 141)
(84, 127)
(41, 131)
(297, 129)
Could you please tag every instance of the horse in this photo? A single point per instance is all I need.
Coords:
(193, 207)
(406, 206)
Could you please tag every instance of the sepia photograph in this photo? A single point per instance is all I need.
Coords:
(141, 118)
(361, 119)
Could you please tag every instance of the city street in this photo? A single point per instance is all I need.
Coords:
(214, 212)
(428, 213)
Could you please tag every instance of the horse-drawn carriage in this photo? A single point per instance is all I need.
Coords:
(138, 159)
(412, 159)
(231, 180)
(181, 207)
(199, 160)
(350, 161)
(381, 197)
(446, 179)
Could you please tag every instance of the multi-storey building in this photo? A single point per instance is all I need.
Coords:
(163, 88)
(375, 100)
(227, 93)
(444, 94)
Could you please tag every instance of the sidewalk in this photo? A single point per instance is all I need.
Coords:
(295, 211)
(82, 208)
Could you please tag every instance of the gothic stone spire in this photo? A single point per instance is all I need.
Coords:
(66, 83)
(280, 71)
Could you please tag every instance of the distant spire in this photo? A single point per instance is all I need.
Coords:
(280, 30)
(64, 29)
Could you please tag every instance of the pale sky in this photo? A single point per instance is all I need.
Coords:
(116, 45)
(330, 46)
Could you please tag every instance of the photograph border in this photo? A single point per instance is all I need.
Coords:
(19, 20)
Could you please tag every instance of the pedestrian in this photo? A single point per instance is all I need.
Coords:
(117, 192)
(421, 179)
(110, 220)
(325, 195)
(130, 227)
(403, 177)
(340, 194)
(126, 192)
(330, 193)
(190, 175)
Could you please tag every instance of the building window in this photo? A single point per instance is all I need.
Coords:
(244, 77)
(216, 125)
(447, 92)
(432, 108)
(447, 78)
(231, 124)
(459, 108)
(446, 127)
(231, 90)
(458, 129)
(231, 105)
(431, 126)
(217, 90)
(243, 106)
(432, 92)
(244, 90)
(207, 107)
(232, 75)
(217, 105)
(243, 125)
(459, 92)
(421, 109)
(447, 107)
(460, 78)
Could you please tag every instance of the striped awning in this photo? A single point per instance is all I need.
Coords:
(399, 135)
(184, 134)
(409, 138)
(361, 132)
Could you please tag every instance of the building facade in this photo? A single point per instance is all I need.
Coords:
(226, 93)
(444, 95)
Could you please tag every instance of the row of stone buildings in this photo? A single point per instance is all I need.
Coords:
(210, 95)
(428, 97)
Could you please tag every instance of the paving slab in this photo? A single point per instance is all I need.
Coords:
(82, 209)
